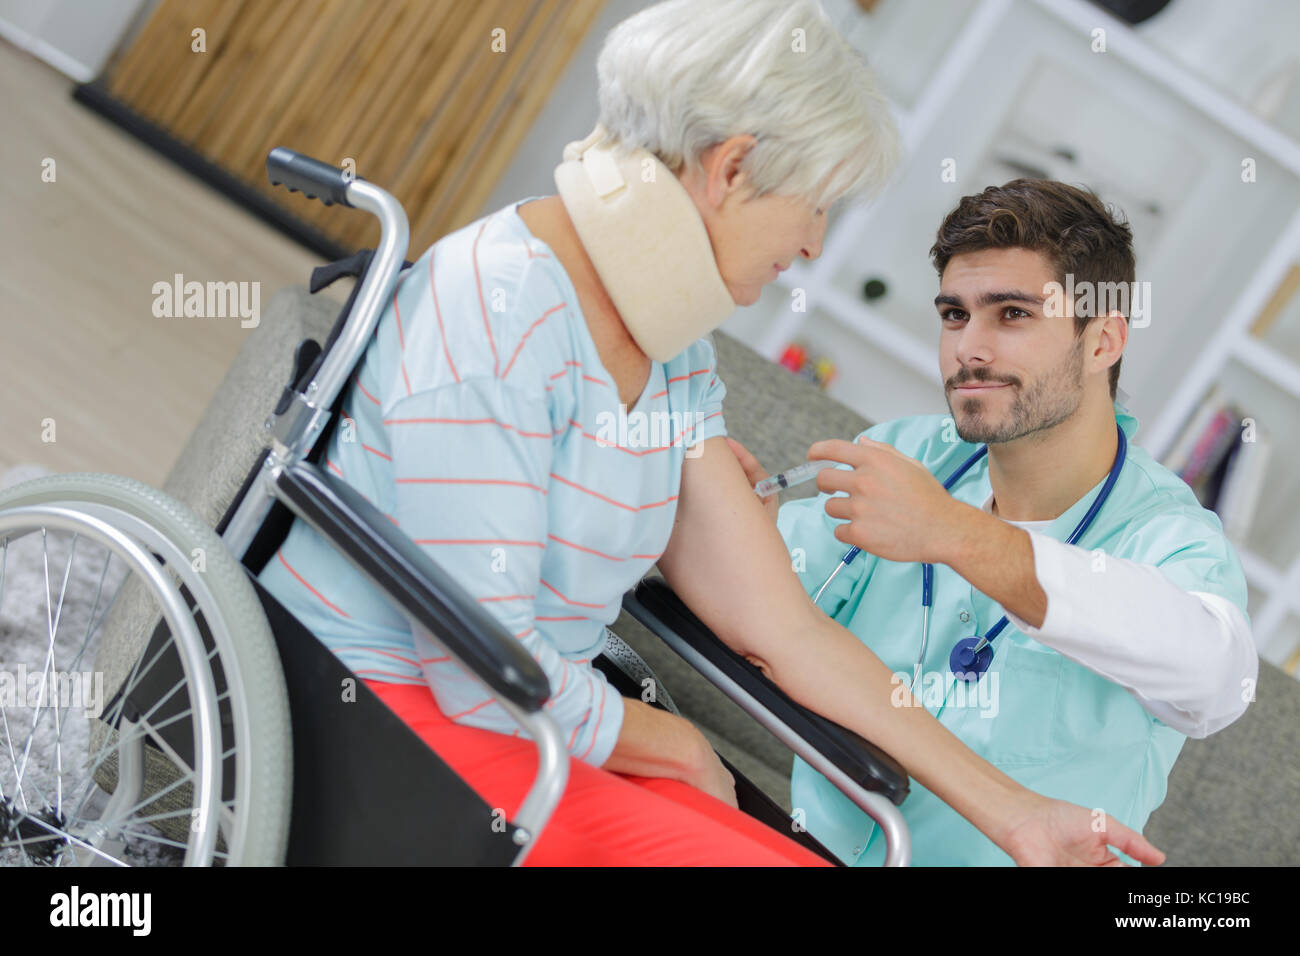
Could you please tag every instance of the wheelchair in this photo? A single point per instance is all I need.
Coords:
(213, 728)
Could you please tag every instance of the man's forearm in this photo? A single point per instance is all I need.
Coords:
(837, 676)
(998, 559)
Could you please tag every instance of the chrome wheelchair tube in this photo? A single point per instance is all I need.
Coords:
(380, 279)
(293, 433)
(552, 776)
(898, 841)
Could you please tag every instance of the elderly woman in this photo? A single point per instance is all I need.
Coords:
(540, 410)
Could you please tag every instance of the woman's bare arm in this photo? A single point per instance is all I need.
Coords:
(728, 562)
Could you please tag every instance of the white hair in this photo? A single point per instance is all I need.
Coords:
(683, 75)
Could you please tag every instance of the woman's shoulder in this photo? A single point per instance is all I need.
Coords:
(692, 378)
(495, 261)
(699, 360)
(484, 300)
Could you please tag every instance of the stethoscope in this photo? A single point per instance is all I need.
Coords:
(971, 656)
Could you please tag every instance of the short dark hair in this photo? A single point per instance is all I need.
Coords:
(1068, 225)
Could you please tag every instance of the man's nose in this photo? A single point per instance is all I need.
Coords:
(974, 344)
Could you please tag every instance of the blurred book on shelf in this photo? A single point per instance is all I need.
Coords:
(1223, 456)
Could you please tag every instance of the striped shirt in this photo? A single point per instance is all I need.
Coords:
(482, 423)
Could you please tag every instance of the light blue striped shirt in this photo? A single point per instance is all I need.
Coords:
(483, 424)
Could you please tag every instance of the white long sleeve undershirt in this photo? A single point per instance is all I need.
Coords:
(1188, 657)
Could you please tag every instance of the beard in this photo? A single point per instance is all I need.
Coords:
(1049, 400)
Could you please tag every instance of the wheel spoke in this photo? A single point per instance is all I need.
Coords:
(81, 820)
(68, 837)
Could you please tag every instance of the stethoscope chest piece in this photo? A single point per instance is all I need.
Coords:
(966, 663)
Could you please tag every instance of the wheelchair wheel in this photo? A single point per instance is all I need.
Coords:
(152, 724)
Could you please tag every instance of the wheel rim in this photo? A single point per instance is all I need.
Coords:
(59, 815)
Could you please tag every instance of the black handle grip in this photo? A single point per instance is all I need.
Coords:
(316, 179)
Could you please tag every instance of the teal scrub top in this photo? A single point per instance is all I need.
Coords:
(1046, 721)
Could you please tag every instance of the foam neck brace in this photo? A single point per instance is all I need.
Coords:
(647, 243)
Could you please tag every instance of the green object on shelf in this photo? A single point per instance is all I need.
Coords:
(874, 289)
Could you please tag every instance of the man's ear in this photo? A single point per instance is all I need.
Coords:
(1116, 325)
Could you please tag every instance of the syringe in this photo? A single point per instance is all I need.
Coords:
(791, 477)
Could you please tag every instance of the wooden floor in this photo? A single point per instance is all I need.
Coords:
(79, 257)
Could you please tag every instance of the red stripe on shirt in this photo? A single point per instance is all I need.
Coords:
(371, 670)
(619, 504)
(682, 378)
(363, 647)
(401, 340)
(566, 599)
(599, 714)
(526, 544)
(601, 554)
(604, 443)
(466, 713)
(357, 378)
(469, 421)
(304, 583)
(556, 696)
(442, 332)
(529, 332)
(478, 282)
(469, 481)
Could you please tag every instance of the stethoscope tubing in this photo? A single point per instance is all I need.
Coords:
(927, 570)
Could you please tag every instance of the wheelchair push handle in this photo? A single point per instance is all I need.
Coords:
(317, 179)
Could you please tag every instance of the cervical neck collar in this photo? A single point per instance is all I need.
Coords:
(647, 242)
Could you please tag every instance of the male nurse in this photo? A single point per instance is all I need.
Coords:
(1117, 647)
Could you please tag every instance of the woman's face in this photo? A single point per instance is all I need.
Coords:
(753, 239)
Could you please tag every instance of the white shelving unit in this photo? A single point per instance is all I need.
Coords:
(981, 82)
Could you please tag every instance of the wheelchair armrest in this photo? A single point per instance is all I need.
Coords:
(654, 604)
(423, 590)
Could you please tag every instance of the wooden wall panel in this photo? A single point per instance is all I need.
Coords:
(411, 90)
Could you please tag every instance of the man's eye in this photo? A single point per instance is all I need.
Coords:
(956, 314)
(1022, 314)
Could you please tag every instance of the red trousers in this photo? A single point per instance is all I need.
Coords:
(604, 818)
